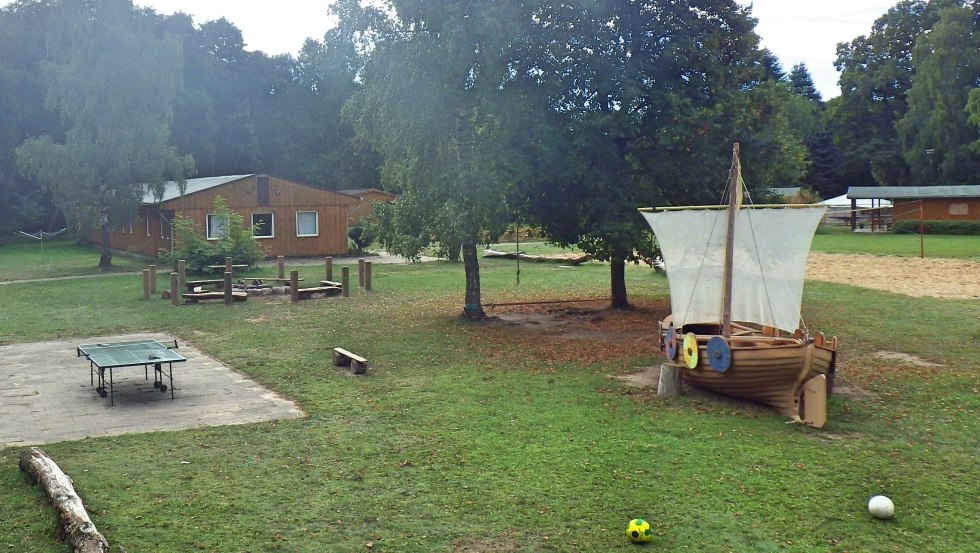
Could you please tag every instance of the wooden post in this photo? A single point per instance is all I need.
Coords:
(367, 276)
(75, 524)
(922, 231)
(175, 288)
(345, 281)
(281, 265)
(293, 286)
(228, 296)
(181, 273)
(146, 284)
(328, 268)
(670, 380)
(360, 272)
(228, 265)
(153, 279)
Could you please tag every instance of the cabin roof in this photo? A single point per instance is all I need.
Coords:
(171, 190)
(914, 192)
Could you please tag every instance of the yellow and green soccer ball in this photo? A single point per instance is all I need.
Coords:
(639, 531)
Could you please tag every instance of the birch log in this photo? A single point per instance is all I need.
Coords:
(74, 524)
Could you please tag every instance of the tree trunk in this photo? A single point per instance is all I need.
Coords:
(617, 274)
(106, 259)
(473, 306)
(74, 524)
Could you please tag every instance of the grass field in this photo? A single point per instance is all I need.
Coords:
(486, 437)
(58, 259)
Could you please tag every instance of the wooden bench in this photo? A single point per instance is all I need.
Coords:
(344, 358)
(192, 284)
(194, 297)
(307, 293)
(221, 268)
(331, 283)
(264, 281)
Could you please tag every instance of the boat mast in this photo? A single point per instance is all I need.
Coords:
(734, 203)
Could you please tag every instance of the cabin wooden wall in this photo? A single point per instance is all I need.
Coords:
(365, 206)
(147, 235)
(285, 198)
(938, 209)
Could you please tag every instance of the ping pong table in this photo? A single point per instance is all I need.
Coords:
(109, 356)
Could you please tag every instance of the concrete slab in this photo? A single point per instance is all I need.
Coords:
(46, 395)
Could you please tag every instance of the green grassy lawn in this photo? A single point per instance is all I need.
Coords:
(58, 259)
(490, 437)
(832, 239)
(837, 239)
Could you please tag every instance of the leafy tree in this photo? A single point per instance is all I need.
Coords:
(973, 109)
(650, 96)
(117, 114)
(935, 133)
(802, 83)
(22, 90)
(430, 105)
(876, 75)
(236, 241)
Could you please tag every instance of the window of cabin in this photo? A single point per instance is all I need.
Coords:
(217, 226)
(307, 223)
(262, 225)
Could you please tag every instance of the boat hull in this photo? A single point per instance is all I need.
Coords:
(764, 369)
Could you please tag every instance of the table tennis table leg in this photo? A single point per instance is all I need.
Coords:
(112, 397)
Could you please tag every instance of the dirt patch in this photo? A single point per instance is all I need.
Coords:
(911, 276)
(649, 377)
(905, 358)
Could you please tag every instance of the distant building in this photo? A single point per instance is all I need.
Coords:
(294, 219)
(929, 203)
(366, 197)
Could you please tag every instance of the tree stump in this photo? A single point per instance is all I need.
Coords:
(74, 525)
(670, 380)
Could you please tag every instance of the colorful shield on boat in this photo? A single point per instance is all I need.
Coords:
(691, 350)
(719, 354)
(670, 343)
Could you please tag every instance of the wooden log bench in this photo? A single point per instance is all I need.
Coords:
(194, 297)
(344, 358)
(221, 268)
(307, 293)
(331, 283)
(198, 285)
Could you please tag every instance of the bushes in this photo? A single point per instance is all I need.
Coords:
(361, 236)
(237, 242)
(953, 228)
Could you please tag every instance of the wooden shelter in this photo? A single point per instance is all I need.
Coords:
(295, 220)
(366, 198)
(928, 203)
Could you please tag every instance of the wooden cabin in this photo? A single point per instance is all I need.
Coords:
(366, 198)
(928, 203)
(295, 220)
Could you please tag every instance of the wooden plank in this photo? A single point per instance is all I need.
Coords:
(344, 358)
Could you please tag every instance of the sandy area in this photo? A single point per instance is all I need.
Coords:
(912, 276)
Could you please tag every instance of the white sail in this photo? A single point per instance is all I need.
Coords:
(771, 247)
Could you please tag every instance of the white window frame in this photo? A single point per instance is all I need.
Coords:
(164, 226)
(272, 224)
(208, 227)
(316, 224)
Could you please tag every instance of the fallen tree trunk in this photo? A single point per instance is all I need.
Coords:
(74, 525)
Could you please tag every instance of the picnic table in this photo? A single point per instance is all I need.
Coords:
(114, 355)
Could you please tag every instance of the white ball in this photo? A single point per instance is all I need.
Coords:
(881, 507)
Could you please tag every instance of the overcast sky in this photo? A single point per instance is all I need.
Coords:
(795, 30)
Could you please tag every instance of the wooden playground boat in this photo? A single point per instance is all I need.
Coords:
(735, 274)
